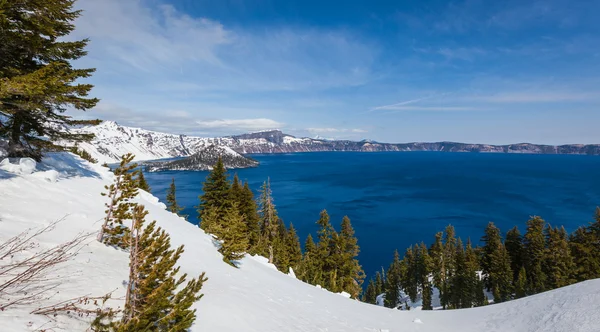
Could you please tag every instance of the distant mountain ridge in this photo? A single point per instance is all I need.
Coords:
(113, 140)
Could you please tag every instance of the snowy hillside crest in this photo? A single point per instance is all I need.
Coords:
(254, 297)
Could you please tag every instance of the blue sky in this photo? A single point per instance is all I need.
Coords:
(393, 71)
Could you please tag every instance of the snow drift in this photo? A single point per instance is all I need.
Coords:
(254, 297)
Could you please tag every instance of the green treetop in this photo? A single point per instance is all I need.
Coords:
(172, 204)
(37, 80)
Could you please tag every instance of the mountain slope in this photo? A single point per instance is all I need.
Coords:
(204, 160)
(253, 298)
(113, 140)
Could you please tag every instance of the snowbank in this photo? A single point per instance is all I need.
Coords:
(254, 297)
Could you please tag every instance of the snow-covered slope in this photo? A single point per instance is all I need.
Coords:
(254, 297)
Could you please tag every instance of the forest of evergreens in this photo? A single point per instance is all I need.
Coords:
(465, 274)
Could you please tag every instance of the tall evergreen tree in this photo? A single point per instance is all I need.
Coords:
(281, 254)
(492, 241)
(425, 269)
(458, 294)
(449, 254)
(436, 252)
(216, 192)
(249, 210)
(233, 236)
(351, 274)
(475, 286)
(269, 221)
(501, 275)
(585, 256)
(172, 204)
(521, 284)
(326, 251)
(310, 269)
(516, 251)
(371, 292)
(293, 248)
(141, 181)
(558, 262)
(37, 80)
(411, 277)
(393, 282)
(156, 299)
(119, 205)
(535, 244)
(585, 248)
(380, 282)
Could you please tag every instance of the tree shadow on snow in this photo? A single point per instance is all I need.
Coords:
(67, 165)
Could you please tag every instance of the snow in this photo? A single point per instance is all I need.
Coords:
(255, 297)
(22, 166)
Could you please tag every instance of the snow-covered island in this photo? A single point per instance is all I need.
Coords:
(204, 160)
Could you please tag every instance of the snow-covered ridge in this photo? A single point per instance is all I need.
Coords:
(255, 297)
(113, 140)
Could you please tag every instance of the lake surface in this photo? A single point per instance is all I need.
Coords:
(396, 199)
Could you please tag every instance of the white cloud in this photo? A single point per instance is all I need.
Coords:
(243, 124)
(534, 97)
(428, 108)
(335, 130)
(162, 45)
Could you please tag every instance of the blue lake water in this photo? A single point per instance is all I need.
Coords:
(399, 198)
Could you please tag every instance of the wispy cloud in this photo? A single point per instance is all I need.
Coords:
(240, 124)
(534, 97)
(430, 108)
(335, 130)
(162, 42)
(400, 104)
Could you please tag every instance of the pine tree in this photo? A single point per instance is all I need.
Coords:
(326, 251)
(155, 299)
(459, 287)
(235, 191)
(501, 275)
(268, 221)
(449, 256)
(215, 192)
(351, 274)
(516, 251)
(310, 269)
(249, 209)
(141, 181)
(172, 204)
(425, 269)
(393, 282)
(473, 293)
(293, 248)
(380, 283)
(436, 252)
(535, 244)
(371, 292)
(585, 255)
(521, 284)
(410, 278)
(234, 242)
(37, 80)
(558, 262)
(492, 241)
(118, 208)
(281, 254)
(585, 248)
